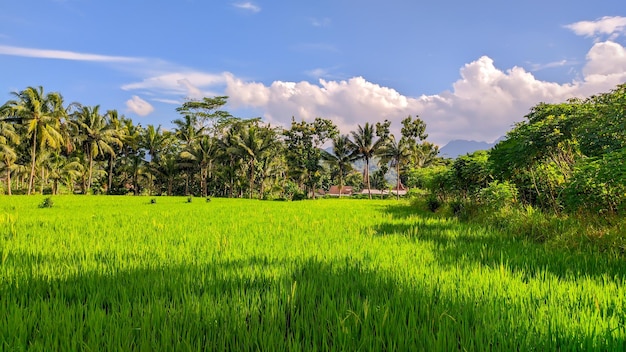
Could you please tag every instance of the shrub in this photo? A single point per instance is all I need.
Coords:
(189, 199)
(153, 201)
(433, 203)
(47, 203)
(498, 195)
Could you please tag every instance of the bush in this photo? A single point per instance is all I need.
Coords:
(433, 203)
(598, 184)
(47, 203)
(153, 201)
(498, 195)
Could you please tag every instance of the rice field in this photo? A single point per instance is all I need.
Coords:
(96, 273)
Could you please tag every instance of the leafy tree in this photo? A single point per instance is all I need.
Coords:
(203, 114)
(303, 141)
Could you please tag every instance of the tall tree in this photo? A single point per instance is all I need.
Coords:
(341, 158)
(96, 137)
(205, 113)
(365, 147)
(114, 123)
(42, 114)
(9, 139)
(254, 144)
(303, 141)
(202, 153)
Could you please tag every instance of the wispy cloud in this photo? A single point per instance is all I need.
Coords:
(248, 6)
(561, 63)
(613, 26)
(63, 55)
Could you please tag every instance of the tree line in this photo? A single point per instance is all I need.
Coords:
(48, 146)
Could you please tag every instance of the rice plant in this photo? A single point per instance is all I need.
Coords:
(116, 273)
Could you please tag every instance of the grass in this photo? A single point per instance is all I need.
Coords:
(123, 273)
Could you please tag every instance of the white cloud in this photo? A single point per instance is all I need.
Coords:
(560, 63)
(247, 6)
(608, 25)
(139, 106)
(62, 55)
(483, 104)
(188, 84)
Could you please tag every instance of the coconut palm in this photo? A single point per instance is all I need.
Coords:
(202, 153)
(365, 147)
(254, 143)
(114, 123)
(395, 153)
(341, 157)
(9, 138)
(41, 113)
(96, 137)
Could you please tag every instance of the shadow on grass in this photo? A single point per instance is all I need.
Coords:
(476, 244)
(237, 305)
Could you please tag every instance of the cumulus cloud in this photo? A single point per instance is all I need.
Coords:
(247, 6)
(139, 106)
(62, 55)
(609, 25)
(484, 102)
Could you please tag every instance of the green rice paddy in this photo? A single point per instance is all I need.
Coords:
(120, 273)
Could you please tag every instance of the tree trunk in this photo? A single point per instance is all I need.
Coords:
(32, 164)
(8, 178)
(367, 177)
(90, 172)
(251, 177)
(110, 183)
(398, 181)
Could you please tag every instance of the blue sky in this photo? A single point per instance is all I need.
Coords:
(469, 69)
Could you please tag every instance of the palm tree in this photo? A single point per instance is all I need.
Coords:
(8, 154)
(423, 155)
(96, 137)
(365, 147)
(202, 153)
(187, 129)
(154, 141)
(395, 153)
(114, 122)
(341, 157)
(42, 114)
(254, 143)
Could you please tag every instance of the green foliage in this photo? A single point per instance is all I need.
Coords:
(46, 203)
(498, 195)
(471, 173)
(433, 203)
(599, 184)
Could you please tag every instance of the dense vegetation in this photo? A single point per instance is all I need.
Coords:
(125, 273)
(52, 147)
(559, 176)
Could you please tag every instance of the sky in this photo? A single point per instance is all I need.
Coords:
(469, 69)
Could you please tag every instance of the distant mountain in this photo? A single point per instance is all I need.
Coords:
(460, 147)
